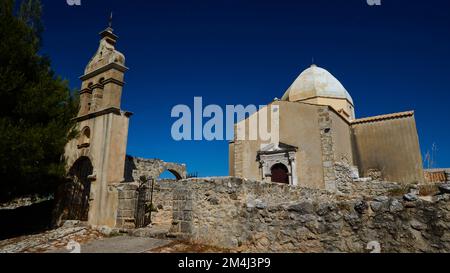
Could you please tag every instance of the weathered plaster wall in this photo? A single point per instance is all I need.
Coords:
(391, 146)
(254, 216)
(299, 127)
(106, 152)
(231, 156)
(342, 138)
(337, 105)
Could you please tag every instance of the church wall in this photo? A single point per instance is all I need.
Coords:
(336, 103)
(298, 127)
(342, 139)
(391, 146)
(231, 159)
(113, 92)
(108, 144)
(118, 146)
(106, 150)
(247, 157)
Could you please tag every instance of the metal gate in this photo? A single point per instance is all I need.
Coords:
(140, 217)
(78, 190)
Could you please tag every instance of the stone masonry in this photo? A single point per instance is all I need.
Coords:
(259, 217)
(162, 203)
(325, 124)
(162, 191)
(136, 167)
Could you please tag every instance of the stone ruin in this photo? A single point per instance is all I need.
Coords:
(254, 216)
(139, 173)
(238, 213)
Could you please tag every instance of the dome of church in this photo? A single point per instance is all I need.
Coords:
(316, 82)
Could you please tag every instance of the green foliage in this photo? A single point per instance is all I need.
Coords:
(36, 106)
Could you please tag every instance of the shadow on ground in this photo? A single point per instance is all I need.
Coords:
(31, 219)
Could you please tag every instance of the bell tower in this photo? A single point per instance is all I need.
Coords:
(103, 128)
(103, 77)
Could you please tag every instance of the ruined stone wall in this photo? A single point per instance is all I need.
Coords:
(326, 138)
(348, 184)
(210, 210)
(136, 167)
(128, 195)
(162, 203)
(254, 216)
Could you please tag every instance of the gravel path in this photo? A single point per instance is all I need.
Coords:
(119, 244)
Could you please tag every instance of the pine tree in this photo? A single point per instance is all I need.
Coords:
(36, 106)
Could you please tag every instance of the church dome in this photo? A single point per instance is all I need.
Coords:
(316, 82)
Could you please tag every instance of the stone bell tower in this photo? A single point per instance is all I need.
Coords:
(102, 142)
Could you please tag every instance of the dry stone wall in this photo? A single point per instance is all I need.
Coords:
(254, 216)
(347, 184)
(162, 203)
(150, 169)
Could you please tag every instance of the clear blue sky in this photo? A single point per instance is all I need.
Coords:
(391, 58)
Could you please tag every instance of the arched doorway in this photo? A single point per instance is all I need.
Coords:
(280, 173)
(78, 190)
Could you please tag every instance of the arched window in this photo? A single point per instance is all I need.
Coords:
(280, 173)
(85, 137)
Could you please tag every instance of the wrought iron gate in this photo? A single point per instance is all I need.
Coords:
(78, 190)
(141, 220)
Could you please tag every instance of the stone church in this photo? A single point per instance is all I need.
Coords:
(318, 129)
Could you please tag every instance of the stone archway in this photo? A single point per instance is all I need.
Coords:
(75, 195)
(175, 173)
(279, 173)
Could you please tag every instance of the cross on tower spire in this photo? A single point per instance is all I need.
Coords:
(110, 20)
